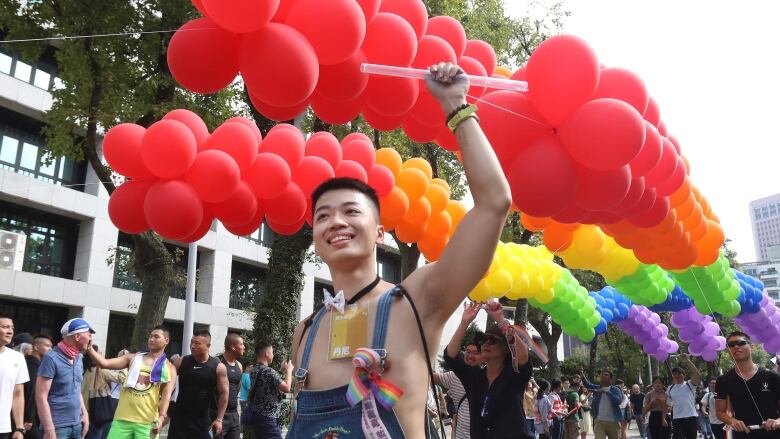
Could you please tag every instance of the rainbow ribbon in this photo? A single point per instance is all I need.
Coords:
(367, 379)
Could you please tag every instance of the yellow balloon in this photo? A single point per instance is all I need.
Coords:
(514, 266)
(502, 252)
(535, 285)
(532, 267)
(545, 296)
(499, 282)
(521, 287)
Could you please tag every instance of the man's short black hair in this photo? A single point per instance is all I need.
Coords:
(260, 348)
(555, 384)
(564, 379)
(345, 183)
(678, 369)
(164, 329)
(40, 336)
(607, 371)
(738, 334)
(202, 333)
(619, 382)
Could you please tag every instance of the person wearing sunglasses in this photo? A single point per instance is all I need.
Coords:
(752, 393)
(495, 392)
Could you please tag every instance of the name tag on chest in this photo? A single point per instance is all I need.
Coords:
(348, 331)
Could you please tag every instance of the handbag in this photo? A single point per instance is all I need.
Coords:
(101, 407)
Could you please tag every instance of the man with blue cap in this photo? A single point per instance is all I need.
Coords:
(61, 407)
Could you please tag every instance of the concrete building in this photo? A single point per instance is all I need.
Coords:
(765, 222)
(76, 263)
(767, 272)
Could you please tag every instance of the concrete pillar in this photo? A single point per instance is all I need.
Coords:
(96, 243)
(218, 334)
(214, 285)
(98, 319)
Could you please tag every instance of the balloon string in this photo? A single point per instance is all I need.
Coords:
(736, 366)
(118, 34)
(511, 112)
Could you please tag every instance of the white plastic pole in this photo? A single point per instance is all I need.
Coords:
(189, 302)
(408, 72)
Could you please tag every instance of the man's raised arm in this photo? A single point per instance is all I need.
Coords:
(442, 286)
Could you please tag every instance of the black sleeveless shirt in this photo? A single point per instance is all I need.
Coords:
(197, 387)
(234, 384)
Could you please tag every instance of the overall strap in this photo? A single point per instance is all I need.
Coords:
(382, 320)
(310, 340)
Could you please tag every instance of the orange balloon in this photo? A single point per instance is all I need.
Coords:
(533, 223)
(503, 71)
(389, 158)
(413, 181)
(684, 210)
(648, 255)
(438, 197)
(700, 230)
(557, 238)
(458, 156)
(457, 211)
(666, 225)
(387, 223)
(394, 205)
(440, 223)
(432, 245)
(419, 211)
(706, 256)
(443, 183)
(714, 238)
(409, 233)
(693, 220)
(681, 194)
(421, 164)
(687, 164)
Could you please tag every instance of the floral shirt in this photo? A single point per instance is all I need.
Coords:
(267, 399)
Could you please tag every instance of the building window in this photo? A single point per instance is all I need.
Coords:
(319, 292)
(40, 74)
(247, 286)
(388, 265)
(264, 235)
(51, 239)
(125, 278)
(35, 318)
(770, 283)
(22, 152)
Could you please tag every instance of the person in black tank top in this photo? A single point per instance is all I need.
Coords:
(231, 423)
(201, 379)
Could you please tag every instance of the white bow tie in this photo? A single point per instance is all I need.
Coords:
(336, 302)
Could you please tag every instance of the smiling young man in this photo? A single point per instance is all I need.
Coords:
(472, 356)
(347, 230)
(752, 394)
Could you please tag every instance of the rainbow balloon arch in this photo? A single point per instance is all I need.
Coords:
(590, 163)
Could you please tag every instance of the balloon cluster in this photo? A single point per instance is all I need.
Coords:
(296, 54)
(519, 271)
(419, 207)
(763, 326)
(750, 293)
(611, 305)
(571, 308)
(181, 177)
(700, 332)
(712, 288)
(647, 330)
(648, 285)
(676, 301)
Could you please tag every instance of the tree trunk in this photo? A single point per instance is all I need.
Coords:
(550, 333)
(410, 254)
(154, 266)
(594, 356)
(521, 312)
(277, 315)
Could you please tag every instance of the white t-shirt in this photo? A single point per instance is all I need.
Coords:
(457, 393)
(13, 371)
(709, 399)
(682, 398)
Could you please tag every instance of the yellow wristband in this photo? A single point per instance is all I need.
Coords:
(462, 115)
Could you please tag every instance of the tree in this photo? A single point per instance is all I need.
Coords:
(110, 80)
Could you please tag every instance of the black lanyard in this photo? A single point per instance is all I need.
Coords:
(367, 289)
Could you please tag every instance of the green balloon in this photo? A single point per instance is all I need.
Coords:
(587, 335)
(731, 309)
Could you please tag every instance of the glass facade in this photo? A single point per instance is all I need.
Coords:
(51, 239)
(264, 235)
(247, 285)
(40, 74)
(35, 318)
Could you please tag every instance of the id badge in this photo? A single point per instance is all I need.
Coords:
(348, 331)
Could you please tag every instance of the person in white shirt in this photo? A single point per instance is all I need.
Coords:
(13, 375)
(682, 398)
(709, 410)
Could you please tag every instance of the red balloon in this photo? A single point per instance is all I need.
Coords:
(671, 184)
(419, 132)
(520, 74)
(427, 110)
(214, 176)
(433, 50)
(268, 176)
(203, 58)
(252, 225)
(446, 139)
(336, 112)
(381, 179)
(675, 142)
(199, 6)
(390, 40)
(193, 122)
(352, 169)
(625, 85)
(563, 73)
(335, 28)
(603, 134)
(173, 209)
(284, 8)
(635, 192)
(602, 190)
(360, 151)
(413, 11)
(239, 209)
(203, 228)
(509, 133)
(241, 16)
(288, 208)
(343, 81)
(665, 167)
(325, 146)
(380, 121)
(356, 136)
(287, 144)
(650, 153)
(238, 141)
(392, 96)
(279, 114)
(279, 65)
(285, 229)
(312, 172)
(450, 30)
(573, 214)
(472, 67)
(653, 113)
(662, 129)
(644, 205)
(654, 216)
(249, 124)
(543, 178)
(168, 149)
(482, 52)
(126, 206)
(122, 149)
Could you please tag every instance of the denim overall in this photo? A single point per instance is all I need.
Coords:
(321, 413)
